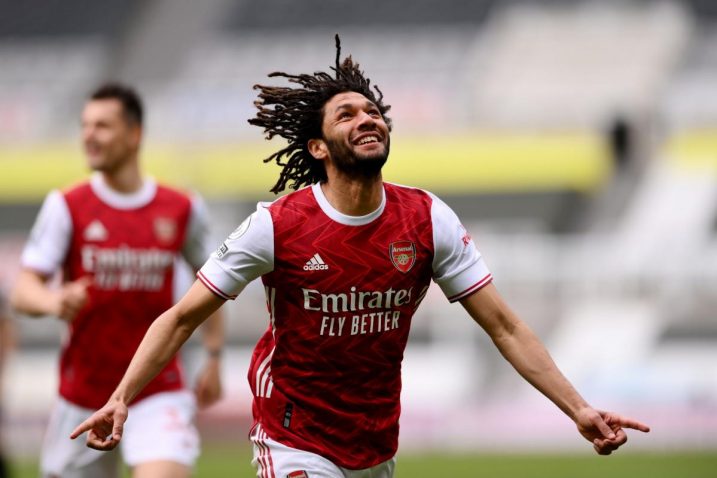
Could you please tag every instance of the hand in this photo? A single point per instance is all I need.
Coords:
(605, 429)
(105, 426)
(208, 388)
(71, 297)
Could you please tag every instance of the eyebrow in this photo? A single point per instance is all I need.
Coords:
(349, 106)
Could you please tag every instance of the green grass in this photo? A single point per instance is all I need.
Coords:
(624, 464)
(227, 462)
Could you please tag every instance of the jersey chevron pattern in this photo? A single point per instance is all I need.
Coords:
(341, 292)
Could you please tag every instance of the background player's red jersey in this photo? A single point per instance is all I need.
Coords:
(341, 291)
(129, 250)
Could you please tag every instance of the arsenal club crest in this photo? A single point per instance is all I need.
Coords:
(403, 255)
(165, 229)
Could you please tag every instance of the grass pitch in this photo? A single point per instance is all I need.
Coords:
(234, 462)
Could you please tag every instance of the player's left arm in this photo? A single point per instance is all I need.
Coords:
(527, 354)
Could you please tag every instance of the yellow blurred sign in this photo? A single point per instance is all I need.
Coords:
(695, 148)
(461, 164)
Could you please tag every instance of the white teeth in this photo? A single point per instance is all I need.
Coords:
(369, 139)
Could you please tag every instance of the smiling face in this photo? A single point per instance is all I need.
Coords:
(356, 138)
(110, 140)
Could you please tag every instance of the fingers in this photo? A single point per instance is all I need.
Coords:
(606, 447)
(73, 297)
(68, 311)
(207, 395)
(77, 290)
(625, 422)
(97, 438)
(117, 430)
(105, 429)
(605, 430)
(84, 281)
(81, 428)
(208, 389)
(99, 441)
(603, 427)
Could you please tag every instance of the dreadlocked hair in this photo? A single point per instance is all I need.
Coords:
(296, 114)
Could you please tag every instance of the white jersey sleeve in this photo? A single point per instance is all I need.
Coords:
(49, 241)
(458, 267)
(246, 254)
(197, 244)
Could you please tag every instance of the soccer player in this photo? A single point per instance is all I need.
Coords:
(116, 238)
(345, 262)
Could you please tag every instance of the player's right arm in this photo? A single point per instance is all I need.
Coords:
(44, 253)
(161, 342)
(32, 296)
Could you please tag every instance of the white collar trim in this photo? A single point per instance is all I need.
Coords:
(119, 200)
(342, 218)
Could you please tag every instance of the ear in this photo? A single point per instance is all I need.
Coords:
(317, 149)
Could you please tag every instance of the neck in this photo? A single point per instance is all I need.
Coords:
(353, 196)
(126, 179)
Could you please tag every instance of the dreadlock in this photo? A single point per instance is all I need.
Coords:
(296, 114)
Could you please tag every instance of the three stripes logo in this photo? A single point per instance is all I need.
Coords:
(316, 263)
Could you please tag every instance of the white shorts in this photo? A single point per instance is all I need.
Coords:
(274, 460)
(159, 428)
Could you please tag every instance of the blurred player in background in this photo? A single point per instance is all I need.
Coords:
(345, 262)
(116, 238)
(6, 343)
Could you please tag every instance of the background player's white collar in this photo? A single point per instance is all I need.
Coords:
(343, 218)
(118, 200)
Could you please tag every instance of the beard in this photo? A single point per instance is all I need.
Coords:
(357, 165)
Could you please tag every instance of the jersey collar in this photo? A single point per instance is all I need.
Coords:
(118, 200)
(343, 218)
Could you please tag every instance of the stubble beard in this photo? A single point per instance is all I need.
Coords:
(357, 166)
(109, 160)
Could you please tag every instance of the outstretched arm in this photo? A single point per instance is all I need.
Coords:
(527, 354)
(161, 342)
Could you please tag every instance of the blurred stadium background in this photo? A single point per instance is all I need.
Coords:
(576, 139)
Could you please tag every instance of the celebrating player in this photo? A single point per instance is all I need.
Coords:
(345, 262)
(116, 238)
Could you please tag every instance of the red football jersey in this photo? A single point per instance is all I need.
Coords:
(341, 291)
(129, 250)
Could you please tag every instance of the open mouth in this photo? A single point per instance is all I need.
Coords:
(367, 139)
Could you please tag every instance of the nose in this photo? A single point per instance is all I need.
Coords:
(365, 120)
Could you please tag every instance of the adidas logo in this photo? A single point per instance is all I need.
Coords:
(316, 263)
(95, 232)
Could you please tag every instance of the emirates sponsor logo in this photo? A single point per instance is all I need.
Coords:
(316, 263)
(123, 257)
(355, 300)
(403, 255)
(124, 268)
